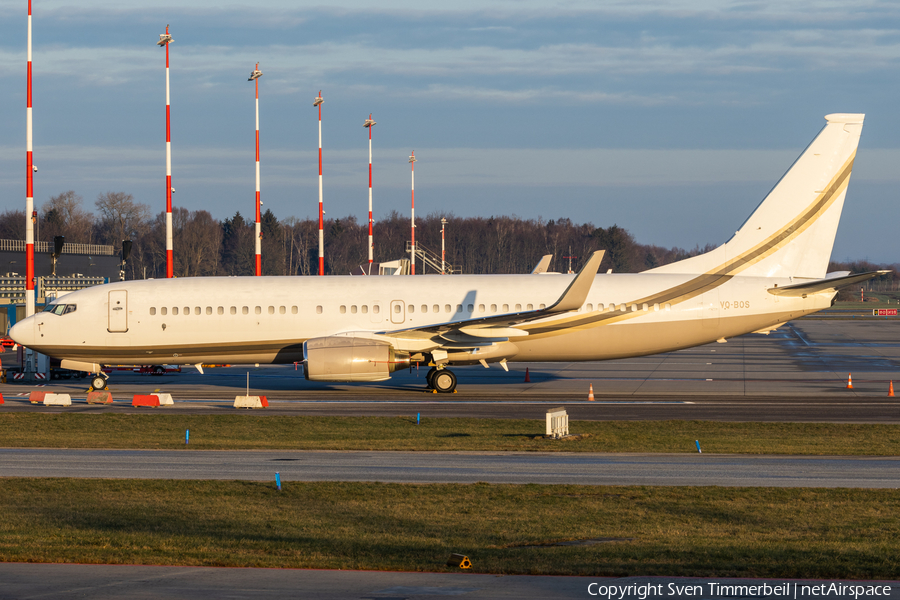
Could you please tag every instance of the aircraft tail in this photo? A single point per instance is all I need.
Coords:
(791, 233)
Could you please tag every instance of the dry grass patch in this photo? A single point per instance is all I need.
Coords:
(223, 432)
(710, 532)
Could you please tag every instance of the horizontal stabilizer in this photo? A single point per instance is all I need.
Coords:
(829, 284)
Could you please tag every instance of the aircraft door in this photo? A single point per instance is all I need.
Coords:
(398, 311)
(118, 311)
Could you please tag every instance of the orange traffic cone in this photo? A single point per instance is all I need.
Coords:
(891, 390)
(591, 393)
(527, 376)
(849, 381)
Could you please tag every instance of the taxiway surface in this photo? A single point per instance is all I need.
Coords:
(459, 467)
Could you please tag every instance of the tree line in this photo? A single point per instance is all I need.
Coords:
(204, 246)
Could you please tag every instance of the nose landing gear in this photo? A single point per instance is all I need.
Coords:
(98, 381)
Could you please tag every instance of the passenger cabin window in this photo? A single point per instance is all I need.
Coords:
(163, 310)
(281, 310)
(446, 308)
(152, 310)
(271, 310)
(365, 309)
(376, 309)
(196, 310)
(174, 310)
(233, 310)
(245, 310)
(353, 309)
(209, 310)
(220, 310)
(257, 310)
(318, 310)
(518, 307)
(187, 310)
(412, 309)
(506, 308)
(481, 308)
(424, 308)
(293, 310)
(530, 306)
(493, 308)
(343, 309)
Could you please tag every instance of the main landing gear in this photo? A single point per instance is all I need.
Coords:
(98, 381)
(443, 381)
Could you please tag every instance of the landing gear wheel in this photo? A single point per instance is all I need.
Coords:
(98, 382)
(429, 378)
(444, 381)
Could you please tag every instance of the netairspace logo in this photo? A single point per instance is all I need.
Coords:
(719, 590)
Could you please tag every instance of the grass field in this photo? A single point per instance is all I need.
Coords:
(707, 532)
(224, 432)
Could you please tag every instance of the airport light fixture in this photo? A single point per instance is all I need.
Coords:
(164, 40)
(254, 77)
(412, 170)
(368, 125)
(29, 186)
(318, 103)
(443, 253)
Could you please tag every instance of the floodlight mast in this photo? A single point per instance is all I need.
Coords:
(164, 40)
(254, 76)
(412, 170)
(318, 102)
(443, 253)
(368, 125)
(29, 187)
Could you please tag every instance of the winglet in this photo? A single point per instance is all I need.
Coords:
(542, 265)
(575, 295)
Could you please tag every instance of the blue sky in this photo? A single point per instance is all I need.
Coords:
(670, 119)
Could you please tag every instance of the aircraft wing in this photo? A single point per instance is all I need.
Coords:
(503, 327)
(829, 284)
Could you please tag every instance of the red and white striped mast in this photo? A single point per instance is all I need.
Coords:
(29, 189)
(412, 167)
(164, 40)
(254, 76)
(368, 125)
(318, 102)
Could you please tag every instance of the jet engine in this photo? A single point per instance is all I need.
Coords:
(340, 358)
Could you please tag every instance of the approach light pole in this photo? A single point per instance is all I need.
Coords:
(412, 170)
(368, 125)
(254, 77)
(318, 102)
(443, 253)
(29, 187)
(164, 40)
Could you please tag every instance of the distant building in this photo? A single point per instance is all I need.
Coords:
(79, 266)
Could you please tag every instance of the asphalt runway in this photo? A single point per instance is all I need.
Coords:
(796, 374)
(459, 467)
(106, 582)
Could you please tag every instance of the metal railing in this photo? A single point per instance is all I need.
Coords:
(91, 249)
(12, 287)
(432, 259)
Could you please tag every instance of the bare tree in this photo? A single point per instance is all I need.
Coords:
(64, 215)
(121, 218)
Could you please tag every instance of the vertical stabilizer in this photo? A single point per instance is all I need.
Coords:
(791, 233)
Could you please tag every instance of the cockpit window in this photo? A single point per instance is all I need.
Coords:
(60, 309)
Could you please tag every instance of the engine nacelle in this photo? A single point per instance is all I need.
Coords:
(338, 358)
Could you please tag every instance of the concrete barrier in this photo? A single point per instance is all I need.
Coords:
(99, 397)
(57, 400)
(165, 399)
(145, 400)
(36, 397)
(251, 402)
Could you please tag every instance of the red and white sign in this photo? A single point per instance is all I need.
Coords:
(884, 312)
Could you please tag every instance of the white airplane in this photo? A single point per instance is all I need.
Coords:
(363, 328)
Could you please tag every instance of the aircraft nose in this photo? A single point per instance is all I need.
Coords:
(23, 332)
